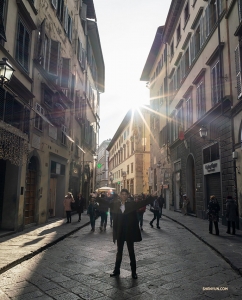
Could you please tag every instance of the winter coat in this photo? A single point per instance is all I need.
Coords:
(231, 210)
(91, 210)
(161, 201)
(79, 204)
(104, 205)
(126, 224)
(67, 203)
(213, 211)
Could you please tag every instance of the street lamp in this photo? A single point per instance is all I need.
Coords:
(203, 131)
(6, 71)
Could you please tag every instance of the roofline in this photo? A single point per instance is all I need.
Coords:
(157, 42)
(121, 127)
(93, 34)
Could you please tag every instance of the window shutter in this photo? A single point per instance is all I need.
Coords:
(192, 48)
(207, 21)
(201, 31)
(26, 51)
(54, 57)
(66, 20)
(240, 9)
(54, 3)
(79, 50)
(41, 43)
(70, 28)
(238, 70)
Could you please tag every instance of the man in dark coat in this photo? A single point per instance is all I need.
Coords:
(79, 205)
(231, 213)
(126, 228)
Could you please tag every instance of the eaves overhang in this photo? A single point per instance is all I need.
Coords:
(94, 38)
(153, 54)
(174, 11)
(91, 14)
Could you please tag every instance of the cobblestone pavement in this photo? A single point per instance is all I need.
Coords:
(172, 264)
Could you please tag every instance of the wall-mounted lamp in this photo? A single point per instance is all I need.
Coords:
(203, 131)
(6, 71)
(95, 156)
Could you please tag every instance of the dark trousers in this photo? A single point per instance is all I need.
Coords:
(157, 217)
(130, 246)
(140, 218)
(160, 214)
(104, 218)
(92, 221)
(211, 227)
(80, 215)
(233, 226)
(68, 216)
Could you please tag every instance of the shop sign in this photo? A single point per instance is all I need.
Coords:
(165, 186)
(212, 167)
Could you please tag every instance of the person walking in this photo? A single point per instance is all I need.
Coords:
(103, 210)
(140, 211)
(126, 228)
(156, 212)
(67, 206)
(79, 205)
(231, 214)
(185, 204)
(213, 214)
(91, 211)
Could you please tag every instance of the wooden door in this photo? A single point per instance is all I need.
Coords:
(30, 196)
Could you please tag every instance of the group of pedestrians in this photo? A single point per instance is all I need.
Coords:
(70, 204)
(213, 214)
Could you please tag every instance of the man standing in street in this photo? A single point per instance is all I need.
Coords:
(126, 228)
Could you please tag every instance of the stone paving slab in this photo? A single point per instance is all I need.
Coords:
(19, 246)
(23, 245)
(227, 245)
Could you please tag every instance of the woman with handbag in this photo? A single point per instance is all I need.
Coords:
(67, 206)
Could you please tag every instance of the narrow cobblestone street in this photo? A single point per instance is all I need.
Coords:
(172, 264)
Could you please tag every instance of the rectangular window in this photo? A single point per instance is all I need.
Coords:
(127, 169)
(65, 73)
(2, 20)
(200, 98)
(38, 121)
(172, 50)
(240, 9)
(23, 44)
(60, 10)
(132, 167)
(186, 13)
(54, 57)
(189, 112)
(178, 33)
(63, 134)
(216, 86)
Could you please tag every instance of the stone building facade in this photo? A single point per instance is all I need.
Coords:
(194, 70)
(129, 152)
(50, 108)
(102, 174)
